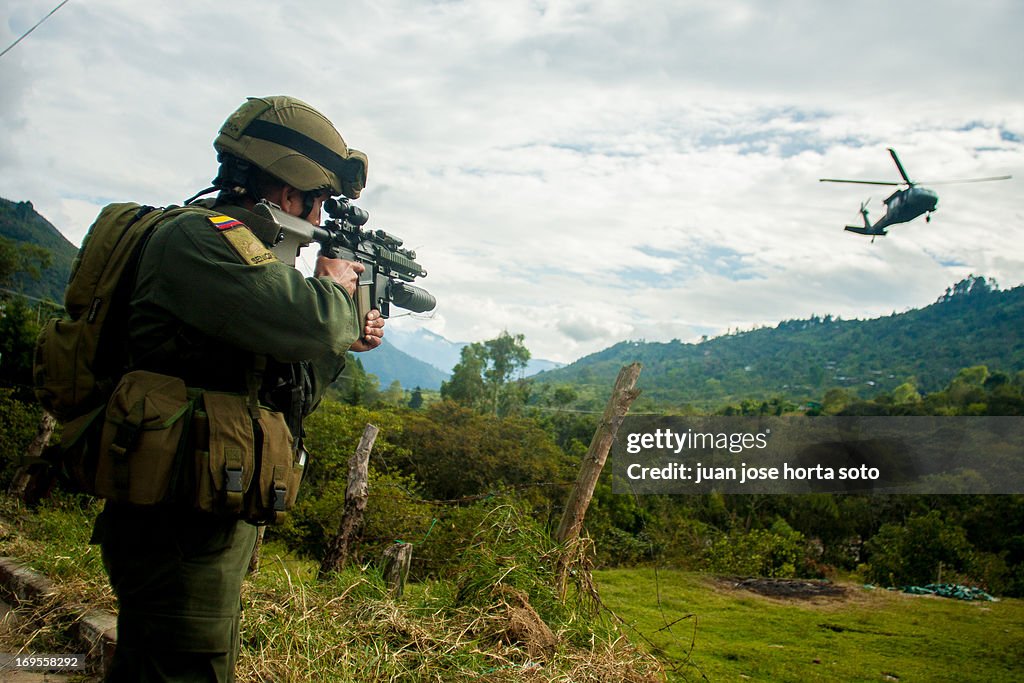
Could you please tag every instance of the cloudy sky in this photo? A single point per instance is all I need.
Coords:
(578, 172)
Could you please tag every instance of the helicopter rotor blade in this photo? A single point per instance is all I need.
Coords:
(969, 180)
(900, 166)
(860, 182)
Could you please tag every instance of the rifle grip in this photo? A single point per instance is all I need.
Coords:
(363, 305)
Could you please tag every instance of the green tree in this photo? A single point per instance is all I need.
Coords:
(18, 321)
(906, 393)
(836, 400)
(482, 377)
(506, 355)
(18, 331)
(17, 429)
(394, 394)
(416, 399)
(563, 396)
(913, 552)
(466, 387)
(355, 386)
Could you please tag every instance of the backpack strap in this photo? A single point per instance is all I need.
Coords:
(110, 353)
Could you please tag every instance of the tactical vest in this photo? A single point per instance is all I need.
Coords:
(189, 422)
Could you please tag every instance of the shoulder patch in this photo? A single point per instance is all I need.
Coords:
(222, 222)
(243, 241)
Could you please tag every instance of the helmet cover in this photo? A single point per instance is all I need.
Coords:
(291, 141)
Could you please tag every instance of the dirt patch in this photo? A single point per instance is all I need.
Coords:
(797, 589)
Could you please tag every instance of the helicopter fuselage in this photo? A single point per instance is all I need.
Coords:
(906, 205)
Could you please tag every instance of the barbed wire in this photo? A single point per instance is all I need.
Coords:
(494, 493)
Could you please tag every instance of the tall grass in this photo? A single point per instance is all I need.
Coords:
(487, 619)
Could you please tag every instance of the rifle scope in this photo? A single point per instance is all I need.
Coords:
(340, 209)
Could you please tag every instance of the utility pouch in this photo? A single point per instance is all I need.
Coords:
(245, 467)
(226, 460)
(142, 444)
(280, 474)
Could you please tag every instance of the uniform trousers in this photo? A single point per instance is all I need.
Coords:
(177, 575)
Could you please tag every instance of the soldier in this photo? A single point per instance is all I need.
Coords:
(212, 305)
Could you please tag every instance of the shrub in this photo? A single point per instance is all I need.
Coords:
(911, 553)
(776, 552)
(393, 512)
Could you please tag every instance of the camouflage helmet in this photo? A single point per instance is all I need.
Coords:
(291, 141)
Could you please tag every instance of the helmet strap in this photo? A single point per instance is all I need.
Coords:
(308, 200)
(236, 177)
(199, 194)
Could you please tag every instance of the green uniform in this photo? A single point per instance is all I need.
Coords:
(195, 281)
(209, 296)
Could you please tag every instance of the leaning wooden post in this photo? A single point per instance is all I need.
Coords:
(355, 503)
(30, 478)
(622, 397)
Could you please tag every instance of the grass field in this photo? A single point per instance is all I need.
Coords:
(728, 633)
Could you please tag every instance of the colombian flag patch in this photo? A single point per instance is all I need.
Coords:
(224, 222)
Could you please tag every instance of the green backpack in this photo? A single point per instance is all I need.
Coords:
(80, 358)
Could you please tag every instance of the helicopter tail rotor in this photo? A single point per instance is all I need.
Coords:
(866, 229)
(864, 213)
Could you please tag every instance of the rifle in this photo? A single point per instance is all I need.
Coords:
(390, 269)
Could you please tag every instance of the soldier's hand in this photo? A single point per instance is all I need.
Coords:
(345, 273)
(373, 333)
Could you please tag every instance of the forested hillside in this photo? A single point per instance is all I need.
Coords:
(973, 323)
(20, 224)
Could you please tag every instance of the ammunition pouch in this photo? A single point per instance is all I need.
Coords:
(141, 446)
(244, 465)
(162, 442)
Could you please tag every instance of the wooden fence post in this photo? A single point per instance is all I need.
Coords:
(397, 558)
(622, 397)
(355, 503)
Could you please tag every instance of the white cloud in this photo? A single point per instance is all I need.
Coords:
(579, 172)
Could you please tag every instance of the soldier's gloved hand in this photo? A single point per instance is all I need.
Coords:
(345, 273)
(373, 333)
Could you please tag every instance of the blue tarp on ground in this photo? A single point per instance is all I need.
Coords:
(949, 590)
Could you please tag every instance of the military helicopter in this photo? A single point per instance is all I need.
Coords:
(905, 204)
